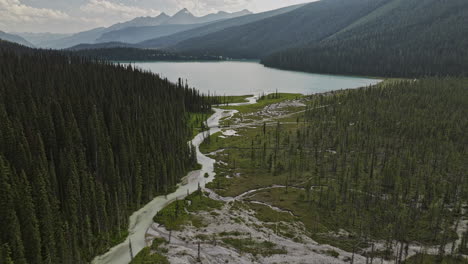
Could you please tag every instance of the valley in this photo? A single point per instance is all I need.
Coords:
(286, 131)
(266, 204)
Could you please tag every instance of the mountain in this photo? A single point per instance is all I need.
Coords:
(182, 17)
(15, 39)
(141, 22)
(403, 38)
(185, 17)
(312, 22)
(140, 29)
(89, 36)
(139, 34)
(224, 15)
(213, 27)
(38, 39)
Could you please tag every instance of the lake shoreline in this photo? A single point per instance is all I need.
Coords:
(234, 78)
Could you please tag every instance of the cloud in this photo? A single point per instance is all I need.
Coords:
(14, 12)
(116, 10)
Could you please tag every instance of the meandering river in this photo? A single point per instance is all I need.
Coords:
(221, 78)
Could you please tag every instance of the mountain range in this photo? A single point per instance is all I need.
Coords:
(168, 41)
(135, 30)
(172, 39)
(397, 38)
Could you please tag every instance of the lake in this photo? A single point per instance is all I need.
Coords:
(250, 77)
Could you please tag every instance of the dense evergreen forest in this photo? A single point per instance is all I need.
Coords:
(82, 144)
(401, 39)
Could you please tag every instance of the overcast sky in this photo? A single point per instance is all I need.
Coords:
(65, 16)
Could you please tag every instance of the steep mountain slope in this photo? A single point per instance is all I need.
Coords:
(15, 39)
(312, 22)
(212, 27)
(139, 34)
(403, 38)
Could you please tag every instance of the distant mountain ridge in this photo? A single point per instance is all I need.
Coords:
(134, 35)
(168, 41)
(99, 35)
(15, 38)
(38, 38)
(141, 22)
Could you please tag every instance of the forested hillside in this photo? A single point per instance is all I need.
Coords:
(404, 38)
(82, 144)
(312, 22)
(134, 54)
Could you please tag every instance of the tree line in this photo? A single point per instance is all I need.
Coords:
(136, 54)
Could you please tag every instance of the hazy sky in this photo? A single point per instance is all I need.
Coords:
(78, 15)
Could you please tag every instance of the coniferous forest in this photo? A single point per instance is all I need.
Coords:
(378, 172)
(409, 38)
(82, 144)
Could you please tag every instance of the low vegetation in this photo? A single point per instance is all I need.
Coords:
(146, 256)
(179, 213)
(251, 246)
(431, 259)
